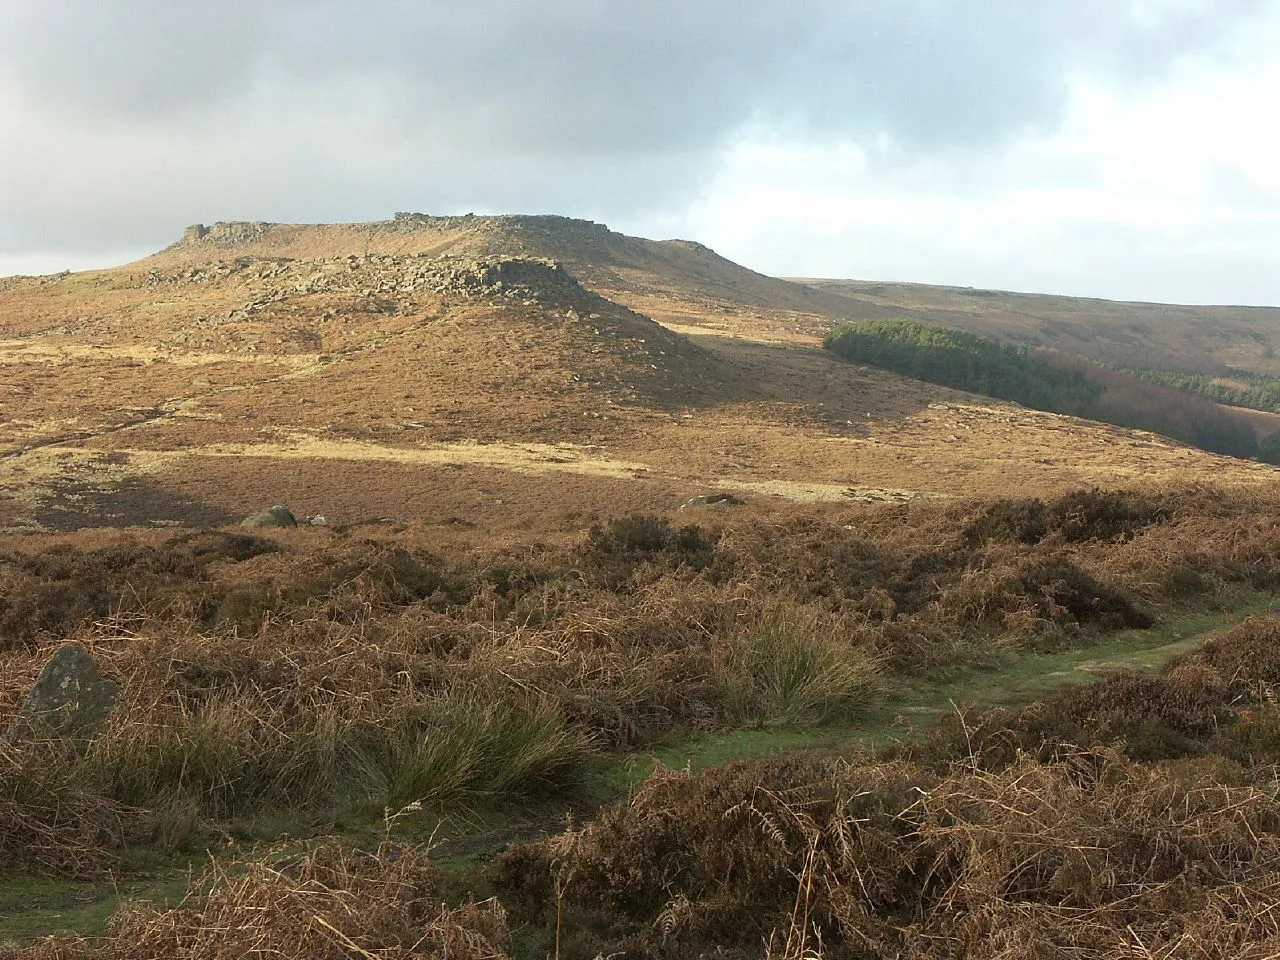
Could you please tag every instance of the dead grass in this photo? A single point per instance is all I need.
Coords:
(483, 661)
(361, 670)
(326, 904)
(1093, 855)
(48, 823)
(622, 413)
(794, 667)
(1135, 816)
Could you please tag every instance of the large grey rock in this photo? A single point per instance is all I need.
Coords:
(70, 699)
(277, 516)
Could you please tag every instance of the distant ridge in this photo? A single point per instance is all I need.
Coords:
(1210, 339)
(599, 257)
(532, 373)
(686, 282)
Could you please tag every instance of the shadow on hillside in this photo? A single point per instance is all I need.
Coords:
(75, 505)
(830, 390)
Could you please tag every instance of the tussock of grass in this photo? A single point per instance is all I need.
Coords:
(228, 756)
(793, 667)
(48, 822)
(232, 757)
(476, 751)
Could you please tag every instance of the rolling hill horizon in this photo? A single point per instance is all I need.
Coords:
(679, 279)
(510, 370)
(603, 257)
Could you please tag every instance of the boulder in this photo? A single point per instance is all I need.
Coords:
(70, 699)
(277, 516)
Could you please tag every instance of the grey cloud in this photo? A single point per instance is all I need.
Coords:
(133, 58)
(154, 112)
(932, 69)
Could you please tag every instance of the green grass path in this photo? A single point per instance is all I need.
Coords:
(915, 702)
(32, 906)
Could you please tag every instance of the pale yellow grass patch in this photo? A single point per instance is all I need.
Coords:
(518, 457)
(26, 351)
(804, 492)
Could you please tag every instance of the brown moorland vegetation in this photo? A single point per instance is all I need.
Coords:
(1136, 816)
(321, 671)
(513, 373)
(507, 611)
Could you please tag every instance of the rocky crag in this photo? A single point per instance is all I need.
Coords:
(604, 260)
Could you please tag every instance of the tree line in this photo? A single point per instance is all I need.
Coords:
(1236, 388)
(1048, 380)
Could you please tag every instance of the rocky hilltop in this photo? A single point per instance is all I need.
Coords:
(584, 243)
(531, 279)
(609, 262)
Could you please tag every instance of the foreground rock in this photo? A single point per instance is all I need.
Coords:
(277, 516)
(71, 699)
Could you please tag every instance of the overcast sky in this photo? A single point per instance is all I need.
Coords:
(1116, 148)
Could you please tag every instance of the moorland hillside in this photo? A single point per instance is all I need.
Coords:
(601, 258)
(511, 372)
(631, 621)
(1184, 338)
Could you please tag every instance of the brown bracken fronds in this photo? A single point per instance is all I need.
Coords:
(328, 904)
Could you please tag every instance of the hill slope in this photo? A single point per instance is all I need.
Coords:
(601, 258)
(685, 284)
(449, 375)
(1199, 339)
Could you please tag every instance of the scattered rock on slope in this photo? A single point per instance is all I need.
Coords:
(277, 516)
